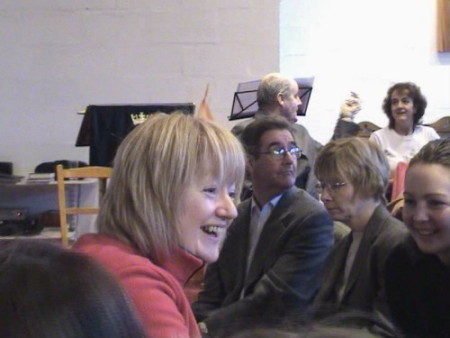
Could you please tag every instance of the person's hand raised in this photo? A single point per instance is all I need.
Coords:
(350, 107)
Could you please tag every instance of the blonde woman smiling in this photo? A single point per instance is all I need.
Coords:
(165, 213)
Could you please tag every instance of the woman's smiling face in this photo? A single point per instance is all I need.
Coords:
(402, 107)
(206, 215)
(427, 208)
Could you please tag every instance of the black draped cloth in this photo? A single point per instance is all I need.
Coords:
(105, 126)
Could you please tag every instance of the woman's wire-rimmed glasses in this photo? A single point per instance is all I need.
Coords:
(332, 187)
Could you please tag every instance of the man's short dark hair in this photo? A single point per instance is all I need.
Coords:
(252, 134)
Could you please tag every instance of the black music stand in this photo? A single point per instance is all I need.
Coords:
(244, 100)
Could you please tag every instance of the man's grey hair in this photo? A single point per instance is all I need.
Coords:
(271, 85)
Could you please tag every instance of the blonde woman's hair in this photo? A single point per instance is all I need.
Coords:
(357, 160)
(153, 166)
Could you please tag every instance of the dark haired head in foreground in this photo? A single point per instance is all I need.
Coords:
(47, 291)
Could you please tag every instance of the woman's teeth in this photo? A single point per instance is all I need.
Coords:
(425, 232)
(212, 229)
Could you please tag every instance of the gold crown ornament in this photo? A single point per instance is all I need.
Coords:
(139, 118)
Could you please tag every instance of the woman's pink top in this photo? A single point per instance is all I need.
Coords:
(156, 291)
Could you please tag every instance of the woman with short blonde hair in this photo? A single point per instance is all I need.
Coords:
(353, 174)
(166, 210)
(360, 161)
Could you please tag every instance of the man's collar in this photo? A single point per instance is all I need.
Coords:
(273, 201)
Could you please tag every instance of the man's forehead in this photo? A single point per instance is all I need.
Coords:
(276, 136)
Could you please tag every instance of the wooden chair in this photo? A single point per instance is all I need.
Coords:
(442, 126)
(100, 173)
(366, 128)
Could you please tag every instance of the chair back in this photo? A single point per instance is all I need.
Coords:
(442, 126)
(62, 175)
(366, 128)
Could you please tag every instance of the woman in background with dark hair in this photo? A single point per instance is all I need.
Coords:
(404, 106)
(418, 272)
(48, 291)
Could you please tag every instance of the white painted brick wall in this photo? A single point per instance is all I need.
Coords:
(58, 56)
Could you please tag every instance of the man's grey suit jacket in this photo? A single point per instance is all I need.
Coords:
(285, 272)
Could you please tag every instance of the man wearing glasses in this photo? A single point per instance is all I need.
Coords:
(277, 95)
(271, 261)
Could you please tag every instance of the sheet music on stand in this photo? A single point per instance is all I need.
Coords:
(244, 99)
